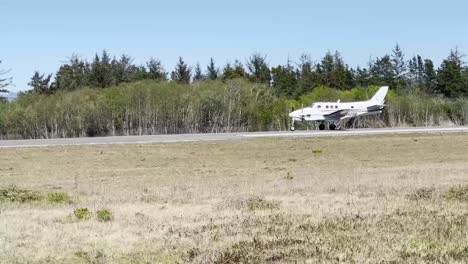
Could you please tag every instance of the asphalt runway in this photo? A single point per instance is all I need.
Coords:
(154, 139)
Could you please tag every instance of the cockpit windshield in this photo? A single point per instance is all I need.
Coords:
(315, 105)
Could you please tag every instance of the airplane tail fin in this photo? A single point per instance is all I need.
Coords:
(379, 96)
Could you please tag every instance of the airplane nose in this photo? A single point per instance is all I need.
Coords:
(294, 114)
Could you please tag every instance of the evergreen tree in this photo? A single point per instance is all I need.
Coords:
(212, 70)
(233, 71)
(123, 70)
(156, 70)
(4, 82)
(398, 60)
(362, 77)
(341, 77)
(307, 77)
(198, 75)
(182, 72)
(399, 66)
(258, 69)
(73, 75)
(449, 76)
(334, 72)
(101, 71)
(239, 71)
(41, 84)
(325, 69)
(284, 80)
(430, 77)
(382, 71)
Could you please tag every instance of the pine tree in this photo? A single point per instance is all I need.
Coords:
(284, 80)
(212, 70)
(41, 83)
(4, 82)
(101, 71)
(362, 77)
(399, 67)
(382, 71)
(449, 76)
(429, 77)
(73, 75)
(308, 79)
(156, 70)
(198, 76)
(182, 72)
(258, 69)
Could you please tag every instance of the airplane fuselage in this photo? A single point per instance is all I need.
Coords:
(332, 112)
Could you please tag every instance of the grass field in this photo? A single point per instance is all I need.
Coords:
(380, 199)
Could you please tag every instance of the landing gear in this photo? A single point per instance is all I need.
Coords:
(332, 126)
(292, 125)
(322, 126)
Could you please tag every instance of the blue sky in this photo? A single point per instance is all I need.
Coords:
(40, 35)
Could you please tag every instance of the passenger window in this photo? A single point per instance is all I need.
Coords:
(336, 107)
(318, 106)
(352, 106)
(326, 106)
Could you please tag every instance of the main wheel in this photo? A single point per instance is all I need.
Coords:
(321, 126)
(332, 126)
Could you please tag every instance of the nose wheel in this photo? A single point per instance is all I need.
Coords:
(292, 125)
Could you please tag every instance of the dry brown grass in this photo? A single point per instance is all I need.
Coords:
(382, 199)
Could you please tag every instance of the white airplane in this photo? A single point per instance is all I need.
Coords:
(332, 112)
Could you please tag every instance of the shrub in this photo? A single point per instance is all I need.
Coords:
(457, 193)
(13, 194)
(421, 194)
(58, 197)
(317, 151)
(104, 215)
(82, 213)
(259, 203)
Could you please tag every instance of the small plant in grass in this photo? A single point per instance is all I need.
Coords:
(459, 193)
(58, 197)
(260, 203)
(82, 213)
(13, 194)
(104, 215)
(317, 151)
(289, 176)
(421, 194)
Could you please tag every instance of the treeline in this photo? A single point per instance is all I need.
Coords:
(450, 79)
(114, 96)
(154, 107)
(144, 107)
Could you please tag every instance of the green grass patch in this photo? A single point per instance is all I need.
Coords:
(104, 215)
(58, 197)
(13, 194)
(16, 195)
(421, 194)
(260, 203)
(82, 213)
(317, 151)
(459, 193)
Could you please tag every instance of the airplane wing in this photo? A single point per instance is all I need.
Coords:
(337, 114)
(374, 108)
